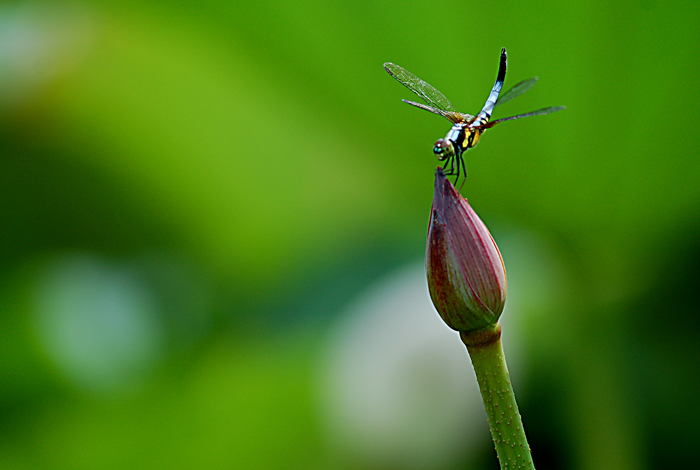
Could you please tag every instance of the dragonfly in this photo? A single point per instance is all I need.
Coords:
(466, 129)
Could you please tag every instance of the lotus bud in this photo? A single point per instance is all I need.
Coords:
(466, 274)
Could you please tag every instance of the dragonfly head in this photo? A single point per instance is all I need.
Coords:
(444, 149)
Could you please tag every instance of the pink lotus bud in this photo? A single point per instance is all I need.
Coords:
(466, 275)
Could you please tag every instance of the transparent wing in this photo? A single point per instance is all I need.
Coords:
(438, 103)
(453, 117)
(539, 112)
(517, 90)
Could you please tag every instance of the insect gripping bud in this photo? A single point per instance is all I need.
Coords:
(466, 275)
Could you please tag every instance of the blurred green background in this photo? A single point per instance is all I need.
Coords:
(214, 215)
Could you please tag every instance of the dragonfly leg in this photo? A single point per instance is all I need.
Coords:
(452, 165)
(461, 160)
(457, 158)
(446, 168)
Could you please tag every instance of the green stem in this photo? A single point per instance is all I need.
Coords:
(486, 352)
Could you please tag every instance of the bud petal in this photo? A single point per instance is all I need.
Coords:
(466, 275)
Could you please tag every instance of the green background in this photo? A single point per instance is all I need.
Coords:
(192, 193)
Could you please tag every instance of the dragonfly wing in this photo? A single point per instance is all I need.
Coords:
(517, 90)
(452, 116)
(423, 89)
(539, 112)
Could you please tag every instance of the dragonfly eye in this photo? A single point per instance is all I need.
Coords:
(443, 149)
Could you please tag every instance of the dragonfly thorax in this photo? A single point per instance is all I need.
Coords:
(458, 139)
